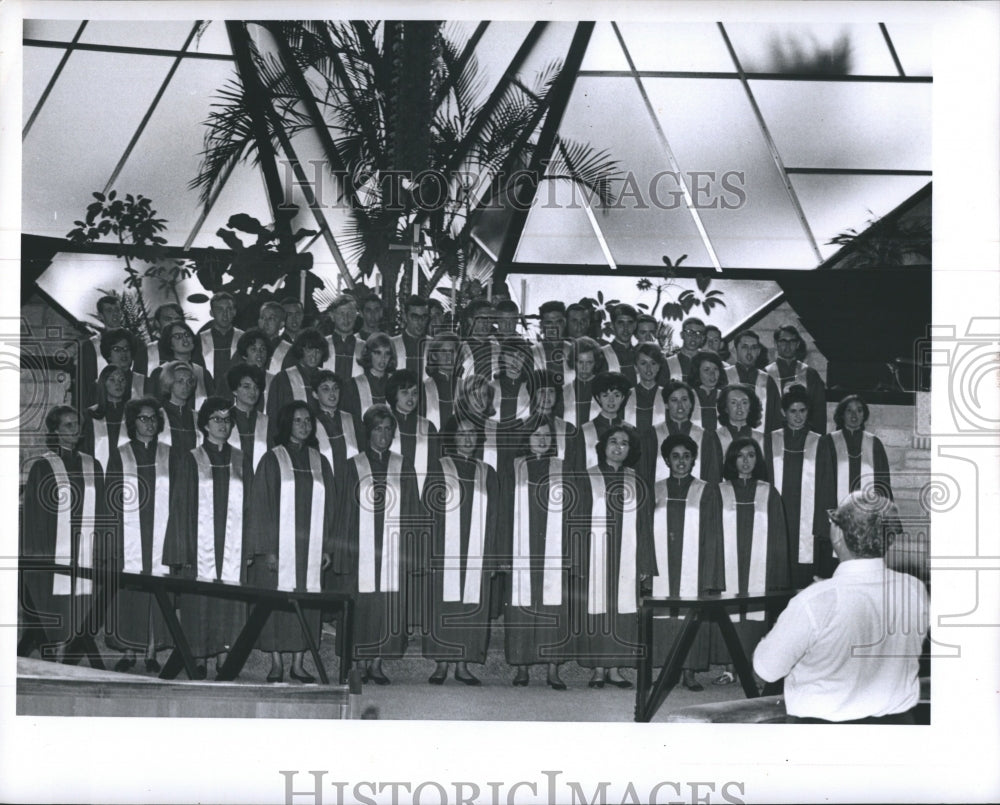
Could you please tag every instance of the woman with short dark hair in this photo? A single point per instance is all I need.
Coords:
(308, 353)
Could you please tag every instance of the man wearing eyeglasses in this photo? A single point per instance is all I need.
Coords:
(411, 343)
(678, 365)
(788, 370)
(748, 347)
(848, 647)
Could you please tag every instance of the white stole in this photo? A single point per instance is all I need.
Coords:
(297, 384)
(453, 535)
(200, 391)
(807, 488)
(553, 551)
(62, 584)
(799, 378)
(259, 439)
(696, 411)
(523, 407)
(844, 469)
(278, 356)
(152, 356)
(356, 367)
(630, 411)
(232, 551)
(600, 539)
(690, 544)
(432, 402)
(569, 405)
(611, 357)
(732, 374)
(541, 362)
(391, 543)
(132, 498)
(102, 447)
(756, 582)
(589, 433)
(726, 438)
(208, 348)
(95, 341)
(287, 578)
(421, 439)
(350, 438)
(138, 385)
(490, 443)
(364, 392)
(674, 367)
(468, 361)
(561, 428)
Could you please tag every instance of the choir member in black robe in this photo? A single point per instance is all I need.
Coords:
(534, 549)
(792, 453)
(309, 351)
(165, 314)
(291, 532)
(707, 377)
(755, 553)
(63, 505)
(578, 322)
(102, 423)
(270, 321)
(219, 340)
(179, 343)
(480, 351)
(678, 400)
(849, 459)
(678, 365)
(588, 361)
(546, 400)
(787, 370)
(645, 408)
(118, 348)
(338, 433)
(512, 397)
(344, 345)
(739, 411)
(94, 356)
(176, 384)
(205, 539)
(138, 489)
(409, 345)
(552, 352)
(437, 391)
(611, 392)
(295, 316)
(612, 554)
(374, 544)
(620, 351)
(378, 359)
(687, 534)
(254, 348)
(463, 500)
(250, 424)
(748, 352)
(372, 314)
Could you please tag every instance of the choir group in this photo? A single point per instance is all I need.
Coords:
(444, 480)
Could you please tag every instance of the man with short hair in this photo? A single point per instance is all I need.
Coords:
(437, 391)
(372, 312)
(678, 365)
(345, 344)
(646, 328)
(410, 344)
(506, 315)
(551, 353)
(787, 370)
(748, 347)
(848, 647)
(270, 320)
(480, 351)
(164, 315)
(512, 397)
(295, 315)
(619, 352)
(218, 342)
(577, 321)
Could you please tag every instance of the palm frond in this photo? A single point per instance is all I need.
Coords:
(581, 163)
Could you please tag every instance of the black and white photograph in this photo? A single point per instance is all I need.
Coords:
(585, 397)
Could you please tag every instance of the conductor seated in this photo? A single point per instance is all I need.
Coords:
(848, 647)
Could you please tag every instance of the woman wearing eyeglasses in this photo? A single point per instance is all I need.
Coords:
(138, 483)
(290, 532)
(179, 343)
(204, 539)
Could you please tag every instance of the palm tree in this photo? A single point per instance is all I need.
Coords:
(402, 111)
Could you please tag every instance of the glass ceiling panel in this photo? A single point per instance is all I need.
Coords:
(603, 50)
(69, 152)
(642, 228)
(834, 204)
(811, 48)
(914, 45)
(52, 30)
(552, 45)
(213, 39)
(884, 126)
(244, 192)
(162, 34)
(39, 65)
(692, 46)
(497, 48)
(710, 127)
(558, 230)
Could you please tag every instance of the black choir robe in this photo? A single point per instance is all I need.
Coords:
(711, 577)
(457, 631)
(609, 638)
(645, 400)
(791, 499)
(584, 397)
(626, 358)
(829, 496)
(342, 354)
(777, 569)
(210, 624)
(708, 464)
(513, 392)
(38, 541)
(445, 385)
(135, 618)
(245, 425)
(113, 416)
(380, 617)
(708, 401)
(482, 351)
(222, 359)
(334, 428)
(281, 394)
(350, 396)
(578, 455)
(90, 357)
(282, 631)
(555, 352)
(414, 348)
(539, 632)
(182, 422)
(815, 389)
